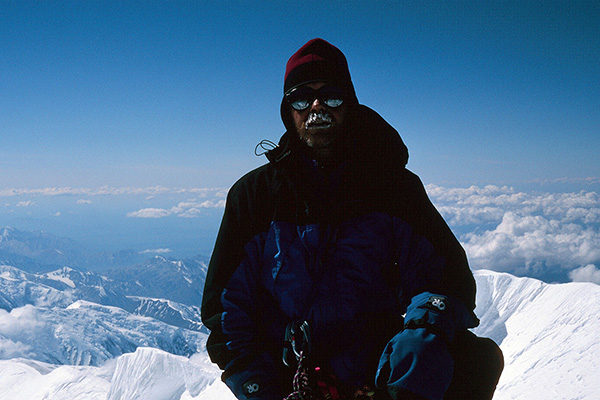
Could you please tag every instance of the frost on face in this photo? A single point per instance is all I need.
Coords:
(319, 120)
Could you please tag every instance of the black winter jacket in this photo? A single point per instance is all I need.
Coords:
(369, 178)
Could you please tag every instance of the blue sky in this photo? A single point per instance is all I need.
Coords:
(176, 94)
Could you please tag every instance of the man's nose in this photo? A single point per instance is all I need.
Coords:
(317, 104)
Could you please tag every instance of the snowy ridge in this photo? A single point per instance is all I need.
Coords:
(146, 374)
(57, 288)
(159, 375)
(166, 279)
(69, 317)
(548, 334)
(19, 288)
(86, 333)
(25, 379)
(64, 286)
(173, 313)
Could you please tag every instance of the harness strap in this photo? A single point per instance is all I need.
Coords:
(328, 389)
(314, 384)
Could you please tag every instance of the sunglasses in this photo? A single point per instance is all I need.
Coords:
(301, 98)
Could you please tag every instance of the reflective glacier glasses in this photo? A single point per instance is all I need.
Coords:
(302, 97)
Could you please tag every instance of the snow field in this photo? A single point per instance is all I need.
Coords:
(547, 332)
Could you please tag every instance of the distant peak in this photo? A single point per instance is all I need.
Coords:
(7, 232)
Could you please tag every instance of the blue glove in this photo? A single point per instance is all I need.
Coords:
(417, 359)
(439, 314)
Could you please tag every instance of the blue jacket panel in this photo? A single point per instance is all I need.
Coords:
(334, 277)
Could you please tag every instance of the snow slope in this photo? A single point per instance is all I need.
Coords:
(50, 318)
(146, 374)
(160, 375)
(547, 333)
(87, 334)
(23, 379)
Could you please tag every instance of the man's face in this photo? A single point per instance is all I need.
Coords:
(318, 125)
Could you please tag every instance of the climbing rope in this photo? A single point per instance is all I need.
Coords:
(302, 389)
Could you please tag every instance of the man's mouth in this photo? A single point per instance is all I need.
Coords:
(320, 120)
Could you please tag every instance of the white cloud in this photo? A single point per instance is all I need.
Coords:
(525, 242)
(22, 319)
(149, 213)
(589, 273)
(17, 328)
(156, 251)
(477, 205)
(11, 349)
(185, 209)
(210, 198)
(524, 233)
(112, 191)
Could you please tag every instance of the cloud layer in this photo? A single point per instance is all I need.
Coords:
(191, 201)
(589, 273)
(551, 236)
(111, 191)
(186, 209)
(545, 235)
(17, 328)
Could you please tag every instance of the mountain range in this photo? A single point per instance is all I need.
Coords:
(39, 251)
(134, 332)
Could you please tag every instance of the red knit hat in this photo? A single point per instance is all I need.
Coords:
(319, 61)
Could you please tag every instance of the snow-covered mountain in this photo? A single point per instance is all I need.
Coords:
(86, 333)
(146, 374)
(70, 317)
(40, 251)
(548, 333)
(62, 287)
(37, 250)
(178, 280)
(173, 313)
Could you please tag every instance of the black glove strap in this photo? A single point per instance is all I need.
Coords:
(422, 323)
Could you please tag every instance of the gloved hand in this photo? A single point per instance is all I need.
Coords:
(416, 361)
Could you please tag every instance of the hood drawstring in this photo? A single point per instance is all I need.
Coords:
(265, 145)
(273, 151)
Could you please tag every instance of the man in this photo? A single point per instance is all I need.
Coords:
(333, 276)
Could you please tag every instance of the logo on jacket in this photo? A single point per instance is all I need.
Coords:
(250, 387)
